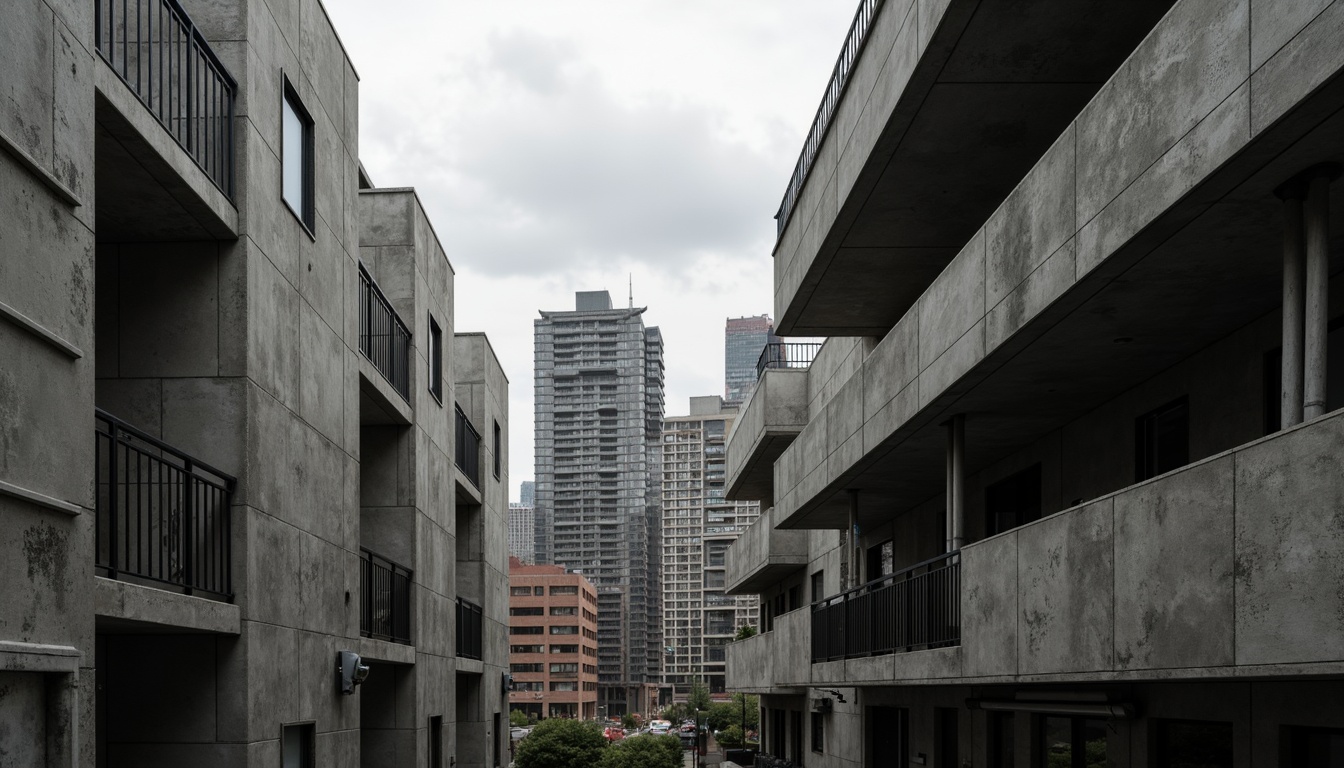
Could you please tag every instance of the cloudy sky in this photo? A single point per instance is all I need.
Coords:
(569, 145)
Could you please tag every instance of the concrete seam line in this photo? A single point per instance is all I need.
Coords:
(43, 175)
(42, 500)
(27, 323)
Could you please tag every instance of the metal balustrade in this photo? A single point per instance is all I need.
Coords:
(468, 629)
(913, 609)
(383, 337)
(844, 66)
(468, 445)
(384, 598)
(787, 354)
(154, 47)
(161, 514)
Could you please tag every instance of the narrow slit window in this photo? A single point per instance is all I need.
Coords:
(436, 361)
(296, 158)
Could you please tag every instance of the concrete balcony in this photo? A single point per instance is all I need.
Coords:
(1112, 238)
(943, 110)
(763, 555)
(772, 662)
(770, 419)
(1224, 569)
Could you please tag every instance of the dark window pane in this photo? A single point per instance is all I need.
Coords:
(1093, 743)
(1162, 440)
(1013, 501)
(1192, 744)
(1315, 747)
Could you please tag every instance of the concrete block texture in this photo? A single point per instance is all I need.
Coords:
(1301, 56)
(990, 617)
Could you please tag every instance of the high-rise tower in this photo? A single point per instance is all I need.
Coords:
(598, 378)
(743, 340)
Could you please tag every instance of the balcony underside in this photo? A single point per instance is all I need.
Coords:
(756, 480)
(1208, 266)
(991, 91)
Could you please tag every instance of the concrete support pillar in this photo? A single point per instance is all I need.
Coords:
(856, 576)
(956, 482)
(1316, 310)
(1294, 287)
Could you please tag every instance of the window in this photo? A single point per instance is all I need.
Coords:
(1013, 501)
(1072, 742)
(564, 649)
(562, 630)
(436, 742)
(498, 449)
(520, 591)
(1001, 749)
(296, 158)
(494, 743)
(526, 630)
(565, 667)
(565, 686)
(527, 649)
(1193, 744)
(818, 585)
(795, 597)
(564, 610)
(296, 744)
(1313, 747)
(436, 362)
(538, 591)
(945, 723)
(536, 611)
(1162, 440)
(525, 667)
(881, 560)
(564, 590)
(818, 732)
(888, 736)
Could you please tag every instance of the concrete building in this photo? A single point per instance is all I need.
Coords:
(522, 532)
(744, 340)
(239, 435)
(552, 642)
(699, 524)
(598, 382)
(527, 492)
(1063, 485)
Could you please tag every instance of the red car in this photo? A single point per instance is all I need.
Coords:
(614, 734)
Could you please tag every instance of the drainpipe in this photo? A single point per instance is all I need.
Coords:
(1316, 213)
(855, 548)
(1294, 288)
(956, 482)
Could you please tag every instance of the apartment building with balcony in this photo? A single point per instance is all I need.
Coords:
(698, 526)
(241, 433)
(552, 642)
(1062, 486)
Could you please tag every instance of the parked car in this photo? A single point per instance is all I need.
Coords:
(614, 733)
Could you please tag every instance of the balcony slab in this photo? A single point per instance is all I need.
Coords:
(125, 607)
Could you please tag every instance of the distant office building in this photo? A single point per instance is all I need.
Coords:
(522, 532)
(527, 492)
(552, 641)
(599, 412)
(743, 340)
(698, 526)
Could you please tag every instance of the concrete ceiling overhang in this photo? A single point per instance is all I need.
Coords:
(767, 576)
(1209, 266)
(756, 481)
(996, 86)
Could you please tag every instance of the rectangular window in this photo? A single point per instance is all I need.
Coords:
(564, 610)
(538, 591)
(562, 630)
(1001, 731)
(818, 732)
(296, 745)
(435, 361)
(818, 585)
(1162, 440)
(564, 590)
(565, 667)
(521, 668)
(1192, 744)
(494, 743)
(527, 649)
(530, 611)
(436, 742)
(296, 157)
(945, 723)
(526, 630)
(565, 686)
(1313, 747)
(498, 449)
(564, 649)
(1072, 742)
(1013, 501)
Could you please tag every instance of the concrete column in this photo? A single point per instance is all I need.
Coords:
(956, 482)
(1316, 309)
(1294, 287)
(856, 576)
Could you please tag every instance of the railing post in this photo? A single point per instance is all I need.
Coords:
(113, 482)
(188, 538)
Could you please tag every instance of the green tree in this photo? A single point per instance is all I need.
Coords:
(723, 714)
(698, 700)
(641, 752)
(745, 631)
(675, 713)
(731, 736)
(628, 721)
(753, 710)
(558, 743)
(517, 718)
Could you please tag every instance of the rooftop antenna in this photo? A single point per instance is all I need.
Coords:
(632, 290)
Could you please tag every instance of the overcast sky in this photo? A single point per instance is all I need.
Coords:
(566, 145)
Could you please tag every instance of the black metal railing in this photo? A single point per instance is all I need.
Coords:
(468, 454)
(161, 515)
(154, 47)
(913, 609)
(468, 629)
(844, 66)
(383, 338)
(384, 598)
(787, 354)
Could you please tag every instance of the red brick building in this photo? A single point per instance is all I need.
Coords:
(552, 641)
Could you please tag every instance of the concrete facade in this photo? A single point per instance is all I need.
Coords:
(152, 270)
(599, 409)
(1057, 445)
(699, 525)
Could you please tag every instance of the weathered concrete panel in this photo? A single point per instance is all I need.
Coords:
(954, 302)
(1173, 570)
(1037, 291)
(989, 607)
(1290, 547)
(1304, 62)
(1065, 591)
(1274, 23)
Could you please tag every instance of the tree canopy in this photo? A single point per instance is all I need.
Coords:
(643, 752)
(698, 699)
(558, 743)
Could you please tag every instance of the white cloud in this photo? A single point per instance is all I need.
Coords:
(562, 145)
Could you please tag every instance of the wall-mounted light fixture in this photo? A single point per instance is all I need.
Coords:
(350, 671)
